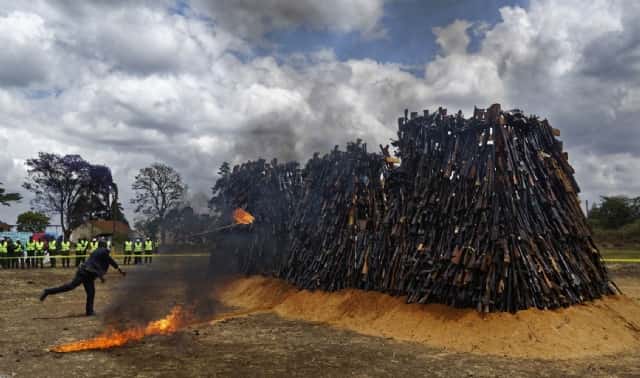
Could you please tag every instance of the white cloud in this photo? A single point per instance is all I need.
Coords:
(26, 44)
(145, 85)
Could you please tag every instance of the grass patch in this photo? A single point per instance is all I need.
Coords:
(620, 253)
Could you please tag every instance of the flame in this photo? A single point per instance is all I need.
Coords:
(171, 323)
(392, 160)
(242, 217)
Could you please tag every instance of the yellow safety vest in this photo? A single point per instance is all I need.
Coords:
(65, 246)
(17, 247)
(148, 246)
(138, 246)
(53, 245)
(39, 246)
(93, 246)
(128, 246)
(4, 247)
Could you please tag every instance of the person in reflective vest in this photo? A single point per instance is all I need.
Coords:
(40, 253)
(4, 253)
(128, 250)
(65, 249)
(137, 251)
(31, 252)
(81, 251)
(93, 245)
(148, 250)
(53, 252)
(19, 253)
(11, 249)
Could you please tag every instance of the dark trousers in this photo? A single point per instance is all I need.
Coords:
(83, 277)
(16, 259)
(127, 257)
(80, 258)
(53, 259)
(30, 259)
(40, 259)
(137, 259)
(5, 261)
(65, 259)
(147, 257)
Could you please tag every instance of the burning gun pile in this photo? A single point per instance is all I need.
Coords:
(481, 212)
(269, 192)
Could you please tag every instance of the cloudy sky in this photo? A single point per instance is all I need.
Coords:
(194, 83)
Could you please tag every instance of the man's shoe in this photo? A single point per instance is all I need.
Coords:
(43, 295)
(92, 313)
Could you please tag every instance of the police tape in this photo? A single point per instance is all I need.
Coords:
(112, 255)
(613, 260)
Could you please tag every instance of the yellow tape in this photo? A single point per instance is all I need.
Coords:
(610, 260)
(622, 260)
(112, 255)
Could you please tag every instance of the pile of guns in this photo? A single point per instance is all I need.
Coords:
(336, 224)
(480, 212)
(269, 191)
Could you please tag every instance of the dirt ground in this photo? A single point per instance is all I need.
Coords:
(262, 344)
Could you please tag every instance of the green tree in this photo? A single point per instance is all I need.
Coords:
(6, 198)
(32, 221)
(159, 189)
(613, 212)
(147, 227)
(68, 187)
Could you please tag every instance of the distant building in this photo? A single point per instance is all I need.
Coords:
(4, 227)
(101, 228)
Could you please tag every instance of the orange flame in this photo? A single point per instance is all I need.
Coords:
(242, 217)
(169, 324)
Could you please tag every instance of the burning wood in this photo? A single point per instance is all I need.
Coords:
(176, 320)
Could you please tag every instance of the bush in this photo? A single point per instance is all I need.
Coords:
(625, 236)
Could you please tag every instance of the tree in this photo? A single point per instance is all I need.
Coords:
(6, 198)
(614, 212)
(147, 227)
(218, 199)
(158, 189)
(32, 221)
(67, 186)
(182, 223)
(100, 200)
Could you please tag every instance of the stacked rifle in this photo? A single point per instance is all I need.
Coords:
(490, 216)
(269, 191)
(480, 212)
(336, 225)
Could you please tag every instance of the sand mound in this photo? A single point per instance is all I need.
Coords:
(607, 326)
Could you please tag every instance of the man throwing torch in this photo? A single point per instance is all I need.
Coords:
(96, 266)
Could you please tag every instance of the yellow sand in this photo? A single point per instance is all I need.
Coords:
(607, 326)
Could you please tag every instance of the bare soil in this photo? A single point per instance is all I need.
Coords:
(259, 344)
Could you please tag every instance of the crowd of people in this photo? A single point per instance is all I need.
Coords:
(37, 253)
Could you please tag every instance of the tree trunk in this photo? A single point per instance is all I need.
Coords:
(64, 229)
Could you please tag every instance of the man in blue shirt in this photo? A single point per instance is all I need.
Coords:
(96, 266)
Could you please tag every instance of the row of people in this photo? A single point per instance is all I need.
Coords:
(13, 254)
(134, 249)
